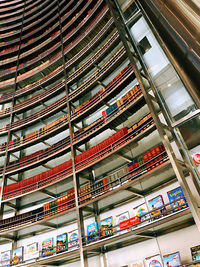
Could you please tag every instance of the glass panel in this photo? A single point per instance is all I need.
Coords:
(128, 8)
(172, 91)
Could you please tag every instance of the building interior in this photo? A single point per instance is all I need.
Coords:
(99, 133)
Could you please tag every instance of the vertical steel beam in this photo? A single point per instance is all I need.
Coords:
(79, 213)
(9, 136)
(134, 55)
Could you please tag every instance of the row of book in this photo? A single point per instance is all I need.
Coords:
(43, 28)
(123, 223)
(66, 167)
(39, 155)
(63, 120)
(34, 85)
(148, 160)
(81, 161)
(61, 102)
(59, 85)
(70, 241)
(51, 108)
(59, 205)
(31, 72)
(50, 37)
(42, 154)
(90, 191)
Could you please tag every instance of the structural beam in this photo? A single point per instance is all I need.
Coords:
(11, 205)
(49, 225)
(7, 237)
(123, 157)
(48, 193)
(135, 192)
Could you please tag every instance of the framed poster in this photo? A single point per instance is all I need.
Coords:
(156, 204)
(61, 243)
(154, 261)
(5, 258)
(195, 251)
(120, 218)
(47, 247)
(174, 194)
(92, 232)
(138, 263)
(172, 260)
(17, 256)
(141, 211)
(73, 241)
(32, 251)
(106, 227)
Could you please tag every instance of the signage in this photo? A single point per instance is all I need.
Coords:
(130, 222)
(196, 158)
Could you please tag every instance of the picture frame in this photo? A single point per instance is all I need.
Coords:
(47, 247)
(154, 261)
(120, 218)
(141, 211)
(5, 258)
(17, 255)
(156, 204)
(195, 252)
(31, 251)
(172, 260)
(73, 241)
(92, 232)
(61, 243)
(174, 194)
(107, 227)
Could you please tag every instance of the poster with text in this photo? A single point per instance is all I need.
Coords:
(156, 206)
(73, 241)
(92, 232)
(177, 197)
(141, 211)
(120, 218)
(138, 263)
(5, 258)
(107, 227)
(154, 261)
(61, 243)
(172, 260)
(32, 251)
(17, 256)
(47, 247)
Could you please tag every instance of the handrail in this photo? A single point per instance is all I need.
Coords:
(35, 84)
(119, 54)
(64, 170)
(82, 68)
(64, 144)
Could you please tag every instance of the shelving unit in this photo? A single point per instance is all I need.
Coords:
(87, 129)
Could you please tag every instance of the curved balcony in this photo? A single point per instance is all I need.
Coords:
(64, 145)
(39, 9)
(45, 31)
(35, 85)
(92, 192)
(75, 93)
(25, 76)
(59, 104)
(86, 159)
(54, 59)
(30, 102)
